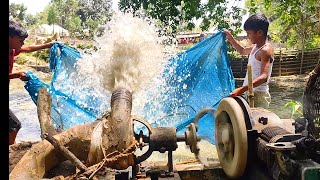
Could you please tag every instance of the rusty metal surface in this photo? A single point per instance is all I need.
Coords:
(163, 139)
(121, 122)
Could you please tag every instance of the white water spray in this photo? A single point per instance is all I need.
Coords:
(131, 55)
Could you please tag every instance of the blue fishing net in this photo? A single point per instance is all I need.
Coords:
(200, 77)
(203, 77)
(69, 107)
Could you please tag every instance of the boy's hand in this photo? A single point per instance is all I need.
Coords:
(237, 92)
(228, 34)
(23, 76)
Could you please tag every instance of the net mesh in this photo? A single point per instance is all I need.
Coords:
(200, 76)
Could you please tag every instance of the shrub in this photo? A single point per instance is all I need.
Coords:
(21, 59)
(85, 46)
(42, 55)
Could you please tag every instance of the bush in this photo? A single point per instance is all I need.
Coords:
(234, 55)
(85, 46)
(42, 54)
(21, 59)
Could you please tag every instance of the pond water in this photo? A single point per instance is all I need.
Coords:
(281, 94)
(25, 109)
(282, 90)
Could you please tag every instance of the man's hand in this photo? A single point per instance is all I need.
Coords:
(237, 92)
(23, 76)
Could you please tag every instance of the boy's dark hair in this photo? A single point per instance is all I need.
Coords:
(257, 22)
(16, 29)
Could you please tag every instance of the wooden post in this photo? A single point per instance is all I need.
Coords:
(302, 58)
(280, 60)
(250, 87)
(44, 103)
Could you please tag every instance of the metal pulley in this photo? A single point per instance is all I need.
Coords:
(231, 137)
(164, 139)
(191, 139)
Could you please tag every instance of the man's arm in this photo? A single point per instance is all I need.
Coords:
(266, 59)
(242, 50)
(36, 47)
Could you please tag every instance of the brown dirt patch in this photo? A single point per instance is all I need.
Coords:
(16, 151)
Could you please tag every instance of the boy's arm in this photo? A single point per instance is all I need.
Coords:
(36, 47)
(242, 50)
(20, 75)
(266, 60)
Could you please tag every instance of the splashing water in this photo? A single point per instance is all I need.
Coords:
(131, 56)
(167, 90)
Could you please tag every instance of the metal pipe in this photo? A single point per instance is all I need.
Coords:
(201, 113)
(170, 163)
(121, 122)
(181, 138)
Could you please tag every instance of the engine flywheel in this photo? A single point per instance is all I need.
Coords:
(231, 137)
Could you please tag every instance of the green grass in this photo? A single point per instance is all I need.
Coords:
(21, 59)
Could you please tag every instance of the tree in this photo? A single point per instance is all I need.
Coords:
(91, 13)
(174, 14)
(17, 11)
(298, 23)
(52, 16)
(73, 24)
(30, 20)
(66, 10)
(94, 12)
(298, 27)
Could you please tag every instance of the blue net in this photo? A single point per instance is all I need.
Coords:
(201, 77)
(68, 107)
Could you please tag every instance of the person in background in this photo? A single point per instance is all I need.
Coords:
(261, 57)
(17, 35)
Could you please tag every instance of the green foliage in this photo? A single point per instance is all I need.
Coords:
(42, 54)
(234, 55)
(77, 15)
(174, 15)
(297, 27)
(17, 11)
(85, 46)
(94, 13)
(43, 16)
(73, 24)
(21, 59)
(30, 20)
(295, 107)
(52, 15)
